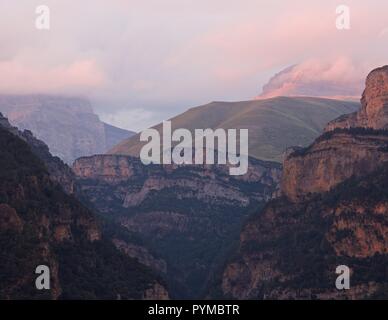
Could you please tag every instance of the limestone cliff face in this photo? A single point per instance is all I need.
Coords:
(353, 145)
(187, 214)
(331, 159)
(291, 250)
(207, 182)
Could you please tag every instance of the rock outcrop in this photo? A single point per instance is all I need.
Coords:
(331, 159)
(207, 181)
(374, 105)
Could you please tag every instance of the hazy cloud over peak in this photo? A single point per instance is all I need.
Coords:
(331, 78)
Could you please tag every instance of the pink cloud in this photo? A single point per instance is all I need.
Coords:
(78, 77)
(252, 45)
(330, 78)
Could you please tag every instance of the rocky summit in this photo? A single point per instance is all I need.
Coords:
(374, 105)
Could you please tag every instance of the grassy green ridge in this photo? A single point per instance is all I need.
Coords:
(274, 124)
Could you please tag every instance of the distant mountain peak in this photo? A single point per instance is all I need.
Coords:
(67, 125)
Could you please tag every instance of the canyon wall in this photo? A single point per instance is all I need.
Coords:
(333, 211)
(189, 215)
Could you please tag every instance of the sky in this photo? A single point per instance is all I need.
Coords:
(142, 61)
